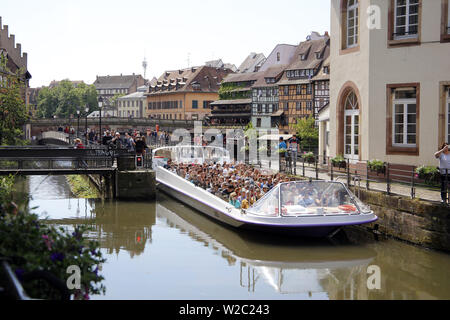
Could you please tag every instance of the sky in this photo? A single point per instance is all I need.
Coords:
(78, 40)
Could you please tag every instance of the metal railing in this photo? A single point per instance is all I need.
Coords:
(403, 178)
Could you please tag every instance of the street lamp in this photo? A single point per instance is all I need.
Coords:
(86, 133)
(100, 105)
(78, 123)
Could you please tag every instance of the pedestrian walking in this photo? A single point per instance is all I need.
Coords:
(444, 169)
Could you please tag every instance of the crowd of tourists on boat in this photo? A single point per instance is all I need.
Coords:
(237, 183)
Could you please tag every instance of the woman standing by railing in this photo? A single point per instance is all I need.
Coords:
(444, 165)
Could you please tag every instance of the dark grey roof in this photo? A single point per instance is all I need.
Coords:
(115, 82)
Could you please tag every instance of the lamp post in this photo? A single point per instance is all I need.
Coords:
(78, 123)
(100, 105)
(86, 133)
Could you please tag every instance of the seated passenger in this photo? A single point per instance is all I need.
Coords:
(234, 202)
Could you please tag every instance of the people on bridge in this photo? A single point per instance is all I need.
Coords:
(79, 144)
(140, 145)
(129, 142)
(107, 138)
(116, 141)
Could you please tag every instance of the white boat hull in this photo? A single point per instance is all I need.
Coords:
(216, 208)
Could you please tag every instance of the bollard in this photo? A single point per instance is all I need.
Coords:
(331, 169)
(317, 168)
(388, 182)
(348, 173)
(367, 176)
(303, 166)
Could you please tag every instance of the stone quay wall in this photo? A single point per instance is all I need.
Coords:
(415, 221)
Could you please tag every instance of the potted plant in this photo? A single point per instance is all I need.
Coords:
(429, 174)
(339, 161)
(282, 152)
(309, 157)
(377, 166)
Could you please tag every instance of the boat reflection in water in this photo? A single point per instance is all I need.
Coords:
(118, 226)
(286, 264)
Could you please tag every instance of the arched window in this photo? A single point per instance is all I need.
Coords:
(351, 126)
(351, 102)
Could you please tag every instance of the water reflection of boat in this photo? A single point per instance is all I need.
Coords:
(311, 209)
(286, 265)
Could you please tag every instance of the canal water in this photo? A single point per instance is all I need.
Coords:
(163, 250)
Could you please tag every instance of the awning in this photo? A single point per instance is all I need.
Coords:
(279, 113)
(231, 102)
(230, 115)
(275, 137)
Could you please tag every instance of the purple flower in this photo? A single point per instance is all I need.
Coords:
(77, 235)
(57, 256)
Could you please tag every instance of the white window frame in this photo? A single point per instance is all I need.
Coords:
(407, 25)
(405, 103)
(355, 9)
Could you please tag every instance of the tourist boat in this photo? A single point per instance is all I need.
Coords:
(287, 267)
(301, 208)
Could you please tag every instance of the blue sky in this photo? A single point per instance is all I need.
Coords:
(81, 39)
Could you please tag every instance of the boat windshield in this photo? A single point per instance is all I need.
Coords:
(309, 198)
(268, 205)
(318, 197)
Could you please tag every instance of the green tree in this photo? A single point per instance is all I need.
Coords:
(13, 111)
(307, 132)
(64, 100)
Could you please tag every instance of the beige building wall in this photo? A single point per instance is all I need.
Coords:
(376, 65)
(427, 64)
(350, 68)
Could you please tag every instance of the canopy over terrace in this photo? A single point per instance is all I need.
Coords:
(275, 137)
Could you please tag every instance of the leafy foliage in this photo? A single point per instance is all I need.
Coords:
(13, 113)
(34, 245)
(64, 100)
(307, 132)
(309, 157)
(226, 91)
(48, 248)
(338, 161)
(376, 165)
(430, 174)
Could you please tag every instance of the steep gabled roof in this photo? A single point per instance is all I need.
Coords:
(253, 60)
(309, 49)
(203, 79)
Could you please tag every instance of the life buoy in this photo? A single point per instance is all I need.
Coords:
(347, 208)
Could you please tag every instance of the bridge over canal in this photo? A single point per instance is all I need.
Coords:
(113, 171)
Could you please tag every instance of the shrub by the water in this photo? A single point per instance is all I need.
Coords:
(30, 244)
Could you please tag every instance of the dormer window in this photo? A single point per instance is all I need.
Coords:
(303, 57)
(318, 55)
(278, 56)
(326, 70)
(297, 73)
